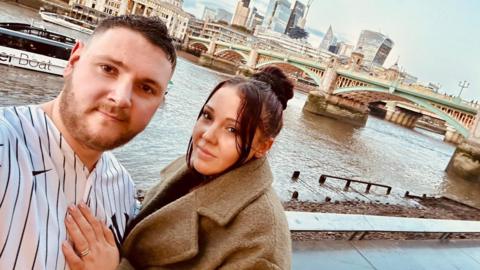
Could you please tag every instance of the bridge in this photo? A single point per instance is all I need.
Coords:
(342, 89)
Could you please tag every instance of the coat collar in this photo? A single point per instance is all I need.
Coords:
(170, 234)
(223, 198)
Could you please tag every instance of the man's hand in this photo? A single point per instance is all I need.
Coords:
(94, 243)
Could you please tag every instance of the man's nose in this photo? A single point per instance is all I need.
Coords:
(121, 94)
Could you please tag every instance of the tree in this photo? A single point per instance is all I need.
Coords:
(297, 33)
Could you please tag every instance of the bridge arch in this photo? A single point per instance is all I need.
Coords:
(198, 46)
(450, 120)
(310, 73)
(237, 55)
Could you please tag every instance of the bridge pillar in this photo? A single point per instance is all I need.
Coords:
(401, 116)
(211, 46)
(390, 106)
(185, 42)
(252, 59)
(452, 136)
(335, 107)
(324, 103)
(249, 68)
(465, 162)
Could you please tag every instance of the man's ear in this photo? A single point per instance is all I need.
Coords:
(263, 147)
(74, 57)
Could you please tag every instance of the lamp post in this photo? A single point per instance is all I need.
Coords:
(463, 85)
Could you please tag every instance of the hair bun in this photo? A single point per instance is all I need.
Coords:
(279, 83)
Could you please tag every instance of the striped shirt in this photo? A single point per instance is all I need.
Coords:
(40, 176)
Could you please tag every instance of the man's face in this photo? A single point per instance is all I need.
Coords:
(113, 86)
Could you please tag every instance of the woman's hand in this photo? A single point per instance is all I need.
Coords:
(94, 243)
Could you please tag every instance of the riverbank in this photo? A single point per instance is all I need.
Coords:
(432, 208)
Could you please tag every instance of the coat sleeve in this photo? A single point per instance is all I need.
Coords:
(251, 264)
(125, 265)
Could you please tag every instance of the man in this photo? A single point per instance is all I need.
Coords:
(53, 155)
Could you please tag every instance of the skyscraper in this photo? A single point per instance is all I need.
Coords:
(277, 15)
(241, 13)
(328, 40)
(374, 46)
(298, 11)
(254, 19)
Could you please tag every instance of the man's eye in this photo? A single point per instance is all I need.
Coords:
(147, 89)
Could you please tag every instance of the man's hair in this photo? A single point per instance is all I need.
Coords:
(152, 28)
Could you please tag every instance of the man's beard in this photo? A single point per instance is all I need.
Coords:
(72, 120)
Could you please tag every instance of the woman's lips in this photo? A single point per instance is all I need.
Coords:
(204, 152)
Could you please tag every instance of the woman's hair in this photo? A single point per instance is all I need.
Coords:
(264, 97)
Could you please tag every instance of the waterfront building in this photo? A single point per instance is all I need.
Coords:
(219, 30)
(284, 43)
(254, 19)
(174, 18)
(241, 13)
(277, 15)
(209, 14)
(328, 40)
(375, 47)
(298, 12)
(110, 7)
(169, 11)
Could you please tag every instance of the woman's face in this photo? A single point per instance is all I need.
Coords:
(214, 147)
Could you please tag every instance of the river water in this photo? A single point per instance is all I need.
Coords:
(381, 152)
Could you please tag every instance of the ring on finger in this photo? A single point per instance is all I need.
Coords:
(84, 252)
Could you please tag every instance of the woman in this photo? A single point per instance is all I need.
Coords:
(215, 207)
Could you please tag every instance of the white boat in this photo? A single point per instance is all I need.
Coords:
(67, 22)
(34, 48)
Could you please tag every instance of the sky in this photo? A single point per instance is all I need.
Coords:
(437, 41)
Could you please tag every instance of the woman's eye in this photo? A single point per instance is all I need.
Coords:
(107, 69)
(232, 130)
(206, 115)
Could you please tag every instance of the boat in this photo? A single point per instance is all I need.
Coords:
(68, 22)
(30, 47)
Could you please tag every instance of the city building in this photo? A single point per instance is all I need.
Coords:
(328, 40)
(121, 7)
(375, 47)
(110, 7)
(298, 12)
(283, 43)
(277, 15)
(209, 14)
(174, 18)
(241, 13)
(303, 20)
(177, 3)
(344, 49)
(408, 78)
(219, 30)
(254, 19)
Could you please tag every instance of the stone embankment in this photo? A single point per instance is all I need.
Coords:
(435, 208)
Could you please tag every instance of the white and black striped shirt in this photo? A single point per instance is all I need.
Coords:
(40, 176)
